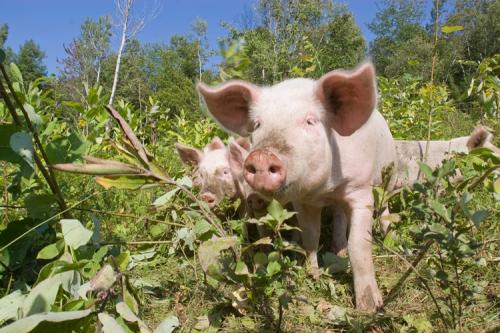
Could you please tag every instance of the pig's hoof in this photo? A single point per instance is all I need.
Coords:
(369, 300)
(340, 251)
(314, 272)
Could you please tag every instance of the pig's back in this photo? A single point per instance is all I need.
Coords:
(362, 155)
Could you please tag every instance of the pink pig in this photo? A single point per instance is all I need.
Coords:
(315, 143)
(215, 175)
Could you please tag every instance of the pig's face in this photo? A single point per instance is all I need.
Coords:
(291, 126)
(212, 173)
(290, 141)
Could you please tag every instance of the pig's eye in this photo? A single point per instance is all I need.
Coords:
(256, 125)
(311, 121)
(225, 171)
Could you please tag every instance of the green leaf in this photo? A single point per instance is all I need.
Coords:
(22, 144)
(10, 304)
(42, 296)
(273, 268)
(161, 201)
(168, 325)
(16, 73)
(260, 259)
(479, 216)
(440, 210)
(447, 29)
(2, 56)
(124, 182)
(50, 251)
(447, 169)
(35, 119)
(334, 263)
(27, 324)
(39, 204)
(241, 268)
(74, 233)
(104, 279)
(209, 251)
(127, 314)
(109, 324)
(427, 171)
(275, 210)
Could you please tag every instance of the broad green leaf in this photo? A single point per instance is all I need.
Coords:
(275, 210)
(447, 29)
(427, 171)
(42, 296)
(124, 182)
(209, 251)
(127, 314)
(39, 204)
(334, 263)
(74, 233)
(241, 268)
(111, 169)
(22, 144)
(441, 210)
(273, 268)
(10, 304)
(35, 119)
(479, 216)
(104, 279)
(16, 73)
(161, 201)
(27, 324)
(109, 324)
(260, 259)
(202, 227)
(168, 325)
(50, 251)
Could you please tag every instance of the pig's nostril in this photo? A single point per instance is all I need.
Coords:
(274, 169)
(251, 169)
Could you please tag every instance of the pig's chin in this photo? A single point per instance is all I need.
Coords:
(283, 193)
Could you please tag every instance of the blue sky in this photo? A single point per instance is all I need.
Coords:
(52, 23)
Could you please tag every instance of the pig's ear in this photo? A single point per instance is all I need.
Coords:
(189, 155)
(237, 155)
(350, 97)
(229, 104)
(216, 143)
(244, 143)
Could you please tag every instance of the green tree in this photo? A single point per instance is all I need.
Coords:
(4, 34)
(30, 61)
(297, 38)
(399, 27)
(86, 53)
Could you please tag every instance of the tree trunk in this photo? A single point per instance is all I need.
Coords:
(120, 50)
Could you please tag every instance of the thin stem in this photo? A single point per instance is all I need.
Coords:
(135, 242)
(48, 175)
(48, 220)
(420, 277)
(431, 87)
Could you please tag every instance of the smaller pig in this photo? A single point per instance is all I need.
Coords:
(409, 153)
(214, 176)
(212, 173)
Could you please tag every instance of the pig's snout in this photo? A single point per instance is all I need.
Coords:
(209, 198)
(264, 171)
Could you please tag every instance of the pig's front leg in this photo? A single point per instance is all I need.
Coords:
(339, 222)
(309, 219)
(368, 297)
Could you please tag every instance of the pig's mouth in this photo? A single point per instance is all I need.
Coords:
(282, 189)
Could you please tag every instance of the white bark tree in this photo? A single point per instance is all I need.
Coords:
(130, 26)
